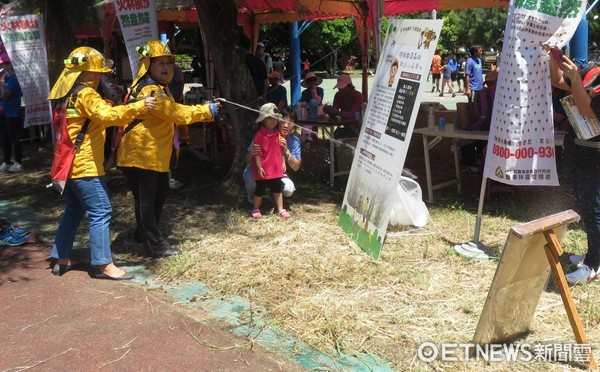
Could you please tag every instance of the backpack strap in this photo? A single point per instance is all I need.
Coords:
(590, 79)
(81, 134)
(147, 80)
(70, 104)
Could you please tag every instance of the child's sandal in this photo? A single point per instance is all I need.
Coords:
(256, 213)
(284, 214)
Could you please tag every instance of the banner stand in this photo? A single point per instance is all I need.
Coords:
(474, 249)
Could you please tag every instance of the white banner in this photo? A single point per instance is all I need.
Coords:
(25, 43)
(138, 24)
(521, 143)
(386, 131)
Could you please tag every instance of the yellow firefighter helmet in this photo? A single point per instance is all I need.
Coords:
(152, 49)
(80, 59)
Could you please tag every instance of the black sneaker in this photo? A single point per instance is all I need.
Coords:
(168, 253)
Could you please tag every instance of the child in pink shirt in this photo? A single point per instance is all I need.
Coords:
(269, 163)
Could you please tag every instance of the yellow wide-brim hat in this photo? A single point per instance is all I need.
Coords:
(81, 59)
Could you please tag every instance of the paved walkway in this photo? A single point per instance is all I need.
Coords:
(447, 100)
(75, 322)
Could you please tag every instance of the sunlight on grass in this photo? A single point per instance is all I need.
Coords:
(318, 285)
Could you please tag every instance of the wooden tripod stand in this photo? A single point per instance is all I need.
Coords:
(531, 253)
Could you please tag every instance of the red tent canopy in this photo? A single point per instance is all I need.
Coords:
(253, 13)
(394, 7)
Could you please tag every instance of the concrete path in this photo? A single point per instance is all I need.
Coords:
(76, 323)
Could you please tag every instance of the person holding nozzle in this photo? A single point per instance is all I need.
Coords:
(147, 150)
(581, 159)
(85, 190)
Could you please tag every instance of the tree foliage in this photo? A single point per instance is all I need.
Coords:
(327, 40)
(464, 28)
(322, 42)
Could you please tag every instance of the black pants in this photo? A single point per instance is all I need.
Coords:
(275, 186)
(582, 170)
(150, 190)
(11, 138)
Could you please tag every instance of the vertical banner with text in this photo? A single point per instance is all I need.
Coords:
(138, 24)
(386, 131)
(25, 43)
(521, 149)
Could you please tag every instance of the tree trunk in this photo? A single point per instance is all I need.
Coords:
(218, 19)
(61, 40)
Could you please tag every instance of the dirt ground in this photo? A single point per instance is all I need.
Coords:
(314, 281)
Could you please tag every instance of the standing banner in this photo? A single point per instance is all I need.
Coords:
(138, 24)
(387, 129)
(25, 42)
(520, 148)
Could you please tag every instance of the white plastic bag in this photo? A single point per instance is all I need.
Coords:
(408, 207)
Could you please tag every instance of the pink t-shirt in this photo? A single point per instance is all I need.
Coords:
(271, 154)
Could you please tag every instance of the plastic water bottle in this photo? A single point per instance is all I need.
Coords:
(431, 118)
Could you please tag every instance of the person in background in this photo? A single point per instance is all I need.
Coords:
(447, 77)
(265, 57)
(182, 135)
(474, 77)
(453, 69)
(269, 163)
(581, 159)
(346, 103)
(499, 46)
(292, 154)
(11, 122)
(85, 191)
(436, 70)
(276, 93)
(257, 68)
(315, 93)
(279, 67)
(460, 79)
(305, 67)
(146, 149)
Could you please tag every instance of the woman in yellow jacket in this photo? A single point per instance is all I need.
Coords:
(146, 148)
(85, 190)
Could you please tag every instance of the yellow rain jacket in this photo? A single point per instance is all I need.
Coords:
(150, 143)
(89, 160)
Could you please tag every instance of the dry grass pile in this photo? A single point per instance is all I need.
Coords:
(319, 285)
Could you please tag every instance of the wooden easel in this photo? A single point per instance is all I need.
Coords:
(554, 251)
(522, 275)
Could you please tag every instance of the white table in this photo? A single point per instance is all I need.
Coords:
(432, 137)
(328, 126)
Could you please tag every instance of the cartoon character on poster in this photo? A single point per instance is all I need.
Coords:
(393, 72)
(427, 35)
